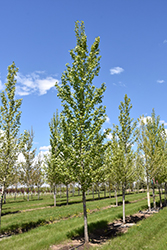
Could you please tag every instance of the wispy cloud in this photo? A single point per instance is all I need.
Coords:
(45, 148)
(107, 119)
(116, 70)
(1, 85)
(163, 122)
(165, 41)
(119, 84)
(160, 81)
(34, 83)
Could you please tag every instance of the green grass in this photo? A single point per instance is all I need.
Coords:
(147, 234)
(44, 236)
(27, 220)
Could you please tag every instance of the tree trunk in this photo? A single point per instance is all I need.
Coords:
(165, 193)
(4, 198)
(54, 192)
(67, 193)
(104, 191)
(15, 192)
(78, 191)
(160, 200)
(93, 192)
(85, 218)
(148, 195)
(123, 202)
(116, 197)
(28, 194)
(38, 193)
(154, 202)
(98, 192)
(1, 201)
(73, 190)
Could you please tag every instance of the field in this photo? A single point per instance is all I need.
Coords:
(36, 224)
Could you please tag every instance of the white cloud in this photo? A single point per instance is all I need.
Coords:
(165, 41)
(162, 121)
(116, 70)
(109, 136)
(1, 85)
(145, 119)
(34, 83)
(160, 81)
(107, 119)
(119, 84)
(45, 148)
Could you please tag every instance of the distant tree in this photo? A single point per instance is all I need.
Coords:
(82, 109)
(38, 174)
(27, 167)
(151, 145)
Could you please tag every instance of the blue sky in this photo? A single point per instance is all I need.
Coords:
(38, 35)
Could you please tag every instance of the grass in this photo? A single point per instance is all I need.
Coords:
(44, 236)
(26, 220)
(147, 234)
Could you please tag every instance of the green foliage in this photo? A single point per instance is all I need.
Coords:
(9, 125)
(82, 108)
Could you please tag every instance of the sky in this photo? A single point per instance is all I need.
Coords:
(38, 35)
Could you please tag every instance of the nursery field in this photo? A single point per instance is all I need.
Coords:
(37, 224)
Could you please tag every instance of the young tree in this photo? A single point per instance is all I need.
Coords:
(151, 143)
(53, 164)
(27, 167)
(127, 135)
(9, 124)
(82, 109)
(38, 175)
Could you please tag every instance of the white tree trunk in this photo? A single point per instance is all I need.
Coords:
(148, 195)
(123, 202)
(85, 218)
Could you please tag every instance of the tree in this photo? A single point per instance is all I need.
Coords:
(38, 175)
(9, 124)
(28, 166)
(127, 136)
(151, 143)
(53, 165)
(82, 109)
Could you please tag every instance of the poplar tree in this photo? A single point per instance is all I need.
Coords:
(52, 167)
(127, 136)
(151, 143)
(9, 124)
(28, 166)
(83, 109)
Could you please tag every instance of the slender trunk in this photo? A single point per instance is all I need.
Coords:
(104, 191)
(1, 201)
(54, 192)
(4, 198)
(67, 193)
(165, 193)
(73, 190)
(109, 189)
(60, 191)
(78, 191)
(123, 202)
(116, 197)
(15, 192)
(98, 192)
(138, 187)
(28, 194)
(148, 195)
(85, 218)
(38, 193)
(93, 192)
(159, 188)
(154, 196)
